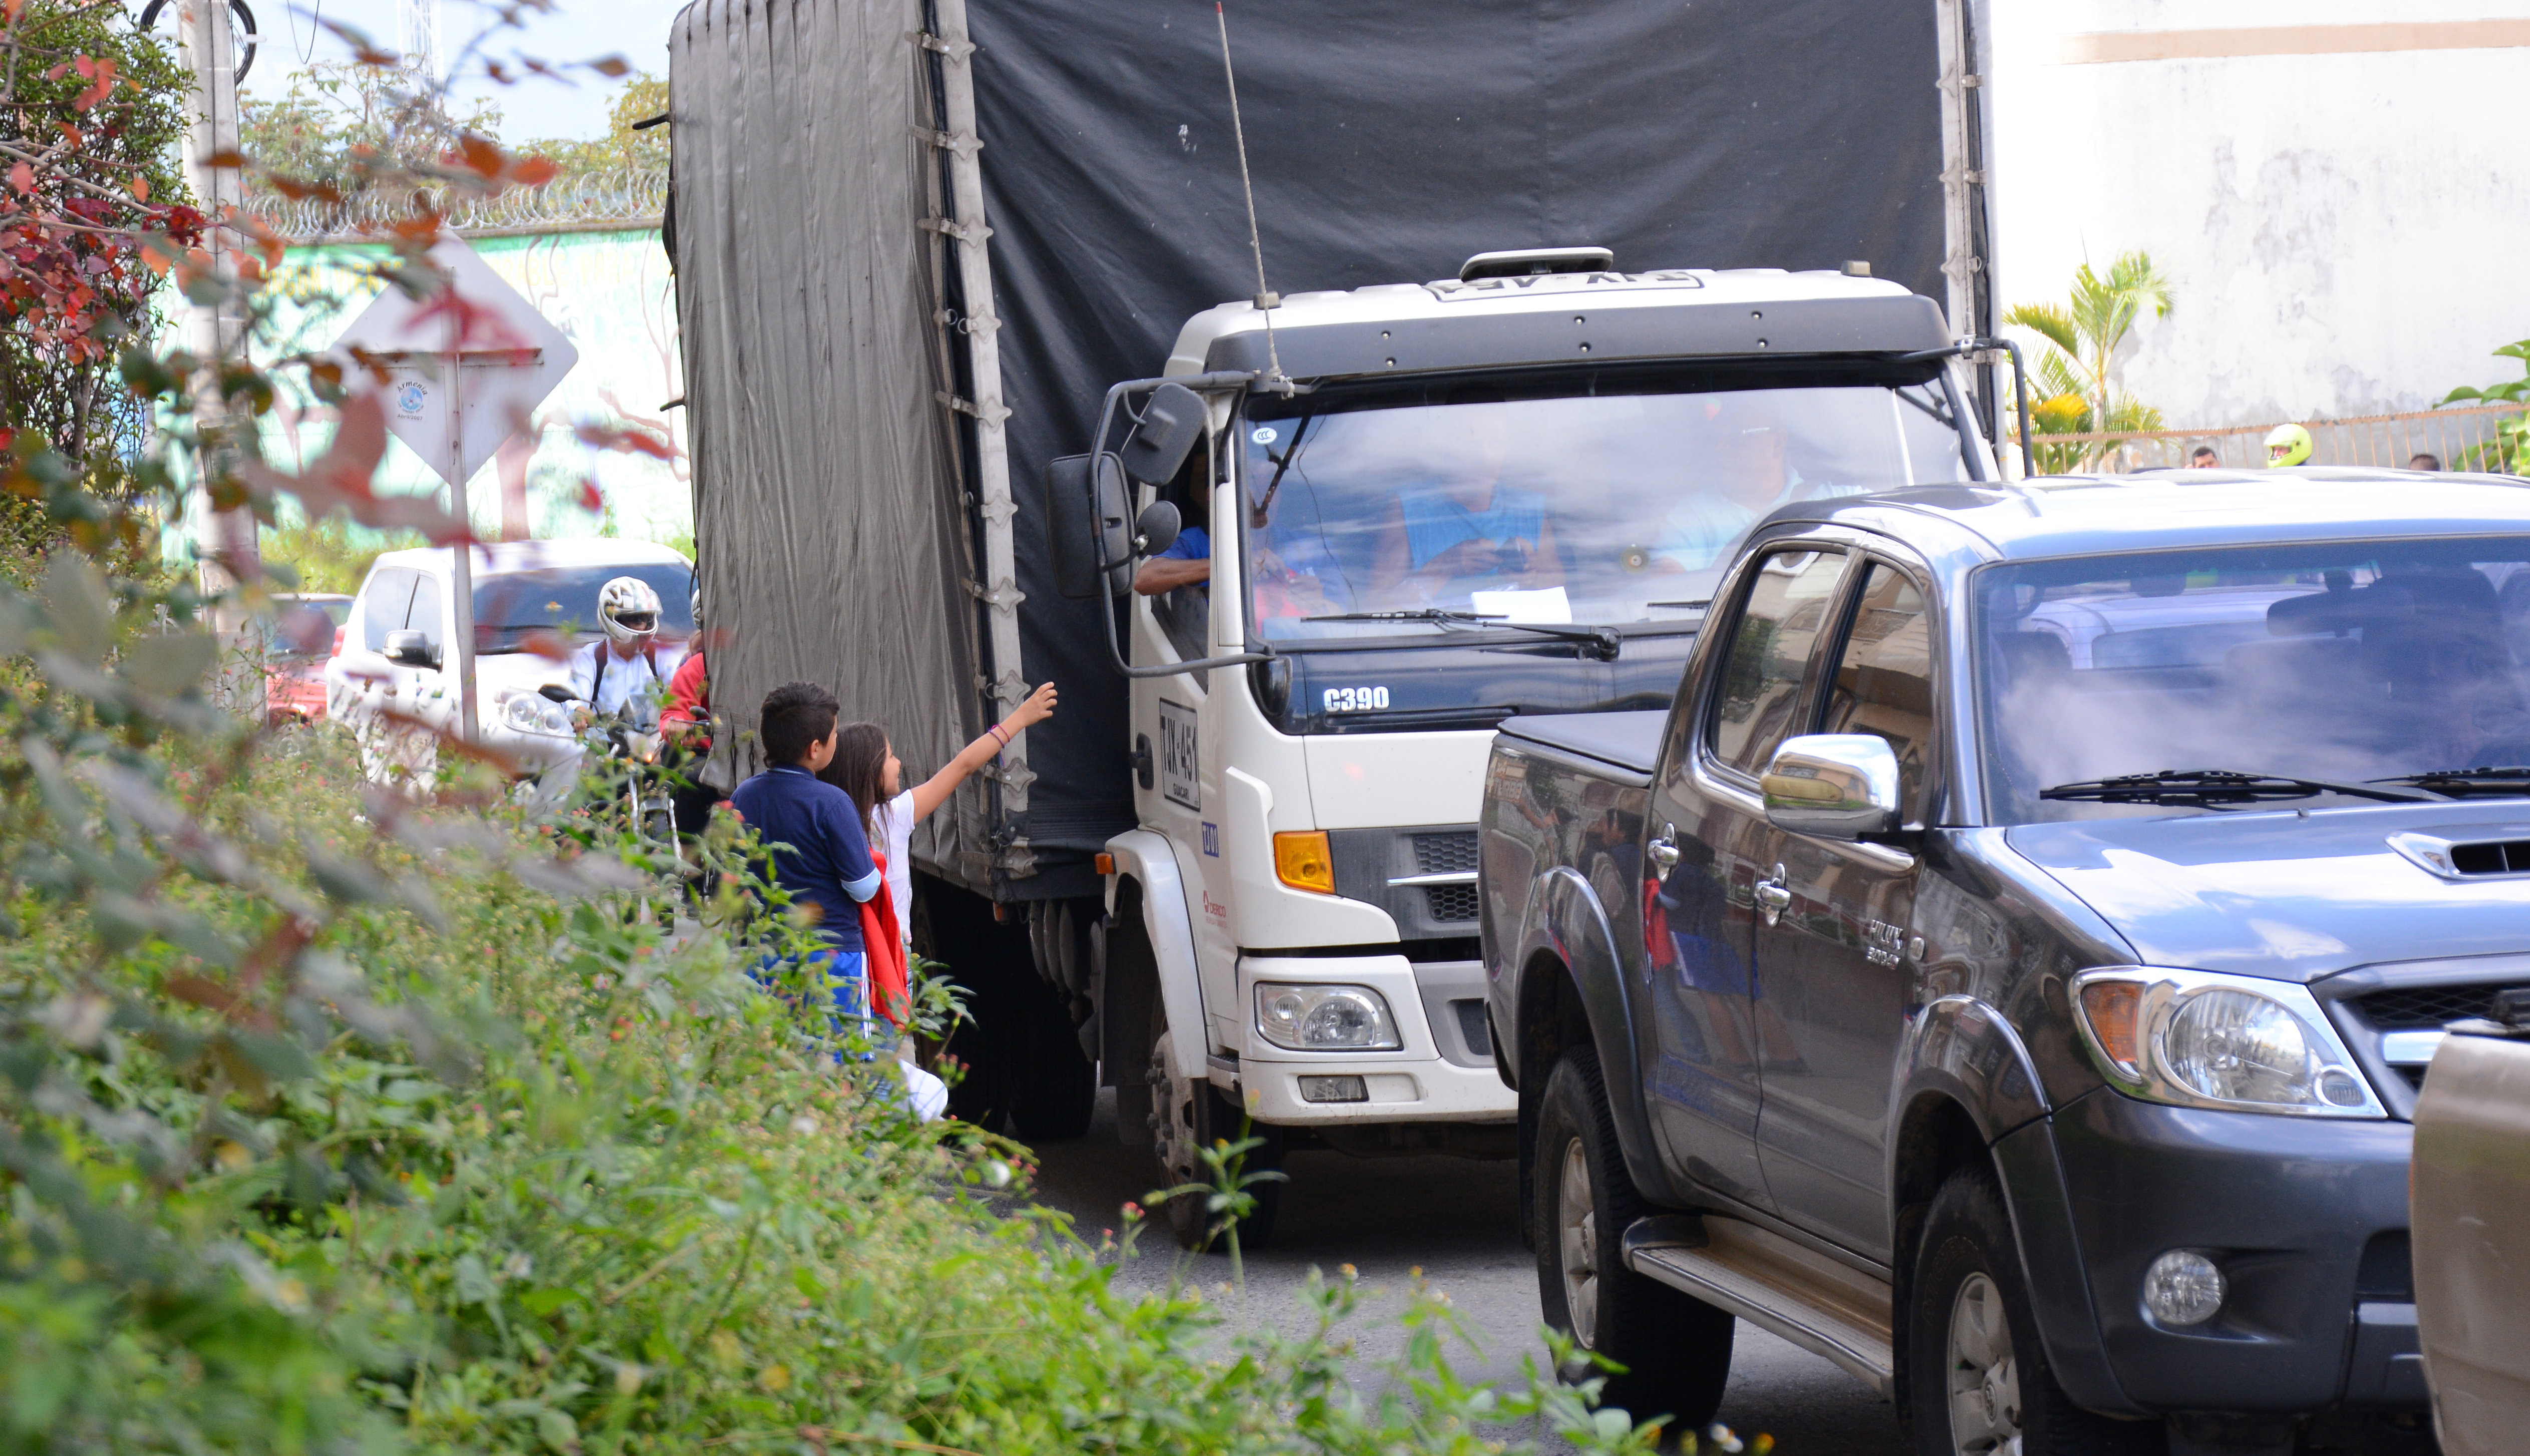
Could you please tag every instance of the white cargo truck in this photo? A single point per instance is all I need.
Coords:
(917, 242)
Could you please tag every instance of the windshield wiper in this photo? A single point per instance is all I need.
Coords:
(2214, 788)
(1605, 642)
(2460, 783)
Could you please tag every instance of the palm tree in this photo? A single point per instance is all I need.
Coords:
(2084, 335)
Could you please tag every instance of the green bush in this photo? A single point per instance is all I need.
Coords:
(334, 1122)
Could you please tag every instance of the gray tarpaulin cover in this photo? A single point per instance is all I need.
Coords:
(1387, 142)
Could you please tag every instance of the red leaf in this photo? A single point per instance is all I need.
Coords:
(482, 154)
(590, 499)
(231, 157)
(140, 189)
(610, 67)
(533, 171)
(22, 177)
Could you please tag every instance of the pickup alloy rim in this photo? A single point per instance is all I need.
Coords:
(1578, 1233)
(1985, 1378)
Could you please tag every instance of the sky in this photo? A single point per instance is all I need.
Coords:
(293, 31)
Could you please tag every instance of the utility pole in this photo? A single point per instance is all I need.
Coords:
(227, 544)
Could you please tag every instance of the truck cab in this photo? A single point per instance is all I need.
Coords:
(1424, 509)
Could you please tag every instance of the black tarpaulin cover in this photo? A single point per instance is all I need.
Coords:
(1387, 143)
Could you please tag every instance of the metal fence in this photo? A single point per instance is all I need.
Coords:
(598, 201)
(2462, 439)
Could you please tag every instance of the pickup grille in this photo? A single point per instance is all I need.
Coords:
(1449, 855)
(2426, 1007)
(2492, 857)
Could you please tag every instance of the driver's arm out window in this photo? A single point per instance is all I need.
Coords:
(1884, 678)
(1770, 646)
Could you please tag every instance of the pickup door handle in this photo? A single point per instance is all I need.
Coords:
(1773, 895)
(1663, 850)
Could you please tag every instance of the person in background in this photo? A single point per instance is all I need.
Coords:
(687, 725)
(866, 768)
(2289, 444)
(1741, 466)
(1186, 562)
(2203, 458)
(610, 675)
(821, 855)
(2421, 461)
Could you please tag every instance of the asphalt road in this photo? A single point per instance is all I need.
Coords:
(1457, 1220)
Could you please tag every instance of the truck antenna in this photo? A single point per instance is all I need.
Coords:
(1267, 300)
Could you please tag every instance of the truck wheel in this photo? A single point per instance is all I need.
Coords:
(1675, 1349)
(1058, 1084)
(1187, 1114)
(1978, 1377)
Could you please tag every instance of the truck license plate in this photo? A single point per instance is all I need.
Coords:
(1176, 755)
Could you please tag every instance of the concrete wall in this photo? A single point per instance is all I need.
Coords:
(2336, 185)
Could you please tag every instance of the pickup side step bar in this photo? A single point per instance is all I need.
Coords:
(1775, 1284)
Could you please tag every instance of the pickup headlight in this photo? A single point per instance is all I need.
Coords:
(2201, 1039)
(1325, 1018)
(530, 713)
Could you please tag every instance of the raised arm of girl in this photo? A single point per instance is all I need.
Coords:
(934, 791)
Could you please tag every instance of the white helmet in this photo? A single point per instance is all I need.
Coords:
(629, 608)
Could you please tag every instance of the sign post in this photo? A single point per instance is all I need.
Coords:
(464, 370)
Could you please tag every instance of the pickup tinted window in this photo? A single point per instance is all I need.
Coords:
(1770, 646)
(383, 605)
(424, 616)
(1883, 679)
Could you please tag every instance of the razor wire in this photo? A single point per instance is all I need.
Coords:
(618, 197)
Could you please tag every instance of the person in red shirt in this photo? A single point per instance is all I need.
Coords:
(686, 723)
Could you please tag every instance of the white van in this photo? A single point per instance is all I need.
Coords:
(397, 659)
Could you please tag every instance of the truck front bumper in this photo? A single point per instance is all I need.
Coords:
(1442, 1074)
(2307, 1219)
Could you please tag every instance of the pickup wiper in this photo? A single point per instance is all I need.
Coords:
(2215, 789)
(2460, 783)
(1605, 642)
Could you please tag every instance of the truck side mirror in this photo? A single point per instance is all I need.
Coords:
(411, 649)
(1156, 529)
(1079, 523)
(1831, 786)
(1171, 426)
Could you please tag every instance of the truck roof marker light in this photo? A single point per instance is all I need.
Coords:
(1303, 861)
(2113, 1007)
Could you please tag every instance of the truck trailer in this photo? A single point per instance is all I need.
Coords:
(1532, 316)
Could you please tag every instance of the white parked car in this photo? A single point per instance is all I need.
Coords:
(398, 659)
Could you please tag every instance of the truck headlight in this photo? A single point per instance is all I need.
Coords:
(1325, 1018)
(2201, 1039)
(528, 713)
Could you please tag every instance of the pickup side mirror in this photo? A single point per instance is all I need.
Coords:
(1171, 426)
(1156, 529)
(411, 649)
(1081, 522)
(1832, 786)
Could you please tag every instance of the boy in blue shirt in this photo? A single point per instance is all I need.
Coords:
(813, 830)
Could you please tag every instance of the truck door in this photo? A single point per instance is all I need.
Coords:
(1834, 962)
(1707, 847)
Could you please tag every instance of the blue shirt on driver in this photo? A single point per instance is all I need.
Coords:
(827, 863)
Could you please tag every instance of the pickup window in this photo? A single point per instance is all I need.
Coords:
(1771, 647)
(1883, 679)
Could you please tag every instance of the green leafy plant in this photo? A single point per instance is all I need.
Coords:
(2507, 451)
(2080, 362)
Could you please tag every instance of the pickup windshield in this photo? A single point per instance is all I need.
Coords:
(511, 604)
(2360, 663)
(1608, 498)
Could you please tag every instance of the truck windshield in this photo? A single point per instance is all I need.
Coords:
(2345, 663)
(1617, 500)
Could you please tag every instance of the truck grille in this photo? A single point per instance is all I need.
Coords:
(1447, 854)
(1451, 901)
(2426, 1007)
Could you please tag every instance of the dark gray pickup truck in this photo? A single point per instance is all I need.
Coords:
(2009, 968)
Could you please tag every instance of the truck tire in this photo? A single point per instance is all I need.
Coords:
(1977, 1374)
(1187, 1115)
(1675, 1349)
(1057, 1086)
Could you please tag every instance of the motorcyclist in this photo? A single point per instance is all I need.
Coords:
(688, 724)
(2287, 444)
(619, 675)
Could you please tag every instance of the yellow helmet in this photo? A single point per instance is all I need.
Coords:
(2287, 444)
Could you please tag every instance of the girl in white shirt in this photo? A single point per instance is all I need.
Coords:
(865, 766)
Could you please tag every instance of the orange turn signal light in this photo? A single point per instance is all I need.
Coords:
(1106, 863)
(2113, 1007)
(1303, 861)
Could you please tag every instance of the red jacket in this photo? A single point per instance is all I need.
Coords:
(689, 698)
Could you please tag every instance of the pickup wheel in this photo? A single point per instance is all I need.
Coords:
(1978, 1376)
(1187, 1116)
(1675, 1349)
